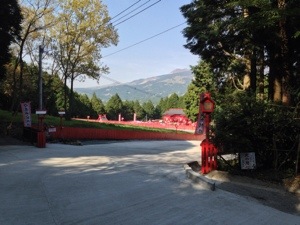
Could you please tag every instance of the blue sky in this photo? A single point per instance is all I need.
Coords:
(157, 56)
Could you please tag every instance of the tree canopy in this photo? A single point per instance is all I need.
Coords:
(81, 31)
(248, 41)
(10, 28)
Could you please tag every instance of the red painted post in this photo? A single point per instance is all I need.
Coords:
(208, 156)
(41, 139)
(215, 158)
(208, 150)
(203, 157)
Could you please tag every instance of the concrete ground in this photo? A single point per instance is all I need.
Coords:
(132, 182)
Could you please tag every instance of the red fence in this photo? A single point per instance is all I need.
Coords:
(151, 124)
(103, 134)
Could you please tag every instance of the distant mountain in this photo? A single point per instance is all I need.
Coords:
(153, 88)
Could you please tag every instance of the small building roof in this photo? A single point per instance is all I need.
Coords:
(174, 111)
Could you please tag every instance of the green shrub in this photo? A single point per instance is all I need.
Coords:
(245, 124)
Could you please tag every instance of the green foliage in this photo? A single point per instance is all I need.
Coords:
(246, 40)
(54, 96)
(82, 29)
(51, 92)
(85, 106)
(114, 107)
(149, 109)
(97, 106)
(204, 77)
(191, 100)
(249, 125)
(203, 81)
(247, 46)
(128, 110)
(138, 109)
(163, 104)
(158, 112)
(10, 29)
(173, 101)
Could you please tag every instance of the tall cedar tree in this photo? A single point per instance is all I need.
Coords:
(237, 37)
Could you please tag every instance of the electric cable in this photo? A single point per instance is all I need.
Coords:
(137, 13)
(131, 12)
(125, 10)
(130, 46)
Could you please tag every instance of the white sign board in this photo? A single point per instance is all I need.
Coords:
(248, 161)
(40, 112)
(52, 129)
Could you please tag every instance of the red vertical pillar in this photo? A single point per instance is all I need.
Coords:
(208, 156)
(204, 157)
(41, 139)
(216, 154)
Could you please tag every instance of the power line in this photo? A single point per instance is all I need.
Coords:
(138, 13)
(125, 10)
(130, 11)
(130, 46)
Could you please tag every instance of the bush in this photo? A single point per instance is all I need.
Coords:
(251, 125)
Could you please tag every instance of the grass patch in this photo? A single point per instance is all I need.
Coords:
(7, 117)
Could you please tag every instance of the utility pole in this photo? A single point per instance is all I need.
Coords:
(41, 50)
(41, 138)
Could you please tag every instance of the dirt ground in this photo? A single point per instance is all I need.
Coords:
(7, 140)
(284, 197)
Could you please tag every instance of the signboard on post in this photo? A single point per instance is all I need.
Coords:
(248, 161)
(26, 111)
(200, 124)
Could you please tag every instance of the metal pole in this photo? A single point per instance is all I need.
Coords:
(41, 49)
(297, 157)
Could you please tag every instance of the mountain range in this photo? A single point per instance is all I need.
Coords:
(153, 88)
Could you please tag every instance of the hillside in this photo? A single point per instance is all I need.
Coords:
(153, 88)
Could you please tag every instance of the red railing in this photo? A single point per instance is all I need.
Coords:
(104, 134)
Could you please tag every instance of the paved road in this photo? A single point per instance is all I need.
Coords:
(117, 183)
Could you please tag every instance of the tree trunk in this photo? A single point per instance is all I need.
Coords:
(286, 95)
(275, 74)
(277, 97)
(66, 97)
(253, 72)
(14, 86)
(71, 98)
(261, 81)
(247, 76)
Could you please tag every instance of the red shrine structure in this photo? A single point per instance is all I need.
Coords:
(175, 115)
